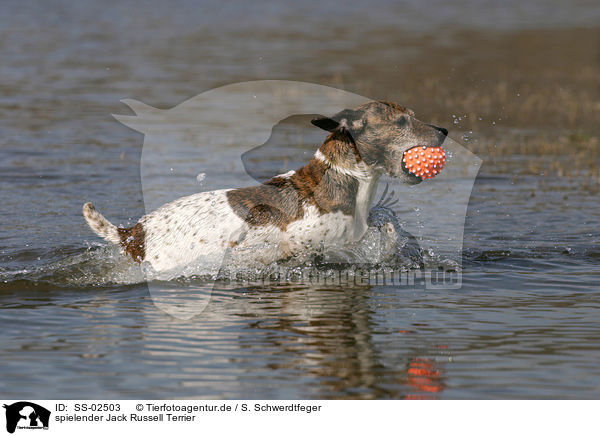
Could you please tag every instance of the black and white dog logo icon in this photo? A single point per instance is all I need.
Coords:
(24, 414)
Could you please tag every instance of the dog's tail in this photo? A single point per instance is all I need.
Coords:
(100, 225)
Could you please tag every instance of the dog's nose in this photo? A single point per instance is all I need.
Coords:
(439, 129)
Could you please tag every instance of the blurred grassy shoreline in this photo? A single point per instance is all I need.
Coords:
(534, 93)
(502, 93)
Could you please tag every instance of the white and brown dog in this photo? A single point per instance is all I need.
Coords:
(323, 204)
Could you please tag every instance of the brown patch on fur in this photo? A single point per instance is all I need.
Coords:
(281, 200)
(265, 204)
(133, 240)
(337, 149)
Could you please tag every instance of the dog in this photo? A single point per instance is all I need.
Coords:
(324, 204)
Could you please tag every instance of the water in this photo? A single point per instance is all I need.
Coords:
(78, 321)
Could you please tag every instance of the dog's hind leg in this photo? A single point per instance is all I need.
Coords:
(100, 225)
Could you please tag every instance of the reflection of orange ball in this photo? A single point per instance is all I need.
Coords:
(424, 375)
(425, 162)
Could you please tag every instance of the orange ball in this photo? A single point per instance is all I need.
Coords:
(424, 162)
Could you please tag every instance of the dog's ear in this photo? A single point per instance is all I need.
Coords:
(342, 119)
(325, 123)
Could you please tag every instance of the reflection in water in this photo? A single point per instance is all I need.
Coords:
(278, 342)
(330, 334)
(182, 301)
(425, 377)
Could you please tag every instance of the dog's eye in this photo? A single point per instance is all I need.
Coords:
(402, 121)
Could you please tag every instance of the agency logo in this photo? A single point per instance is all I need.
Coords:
(237, 135)
(26, 415)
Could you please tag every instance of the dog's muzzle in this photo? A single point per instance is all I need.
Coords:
(424, 162)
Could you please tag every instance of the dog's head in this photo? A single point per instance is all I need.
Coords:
(387, 136)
